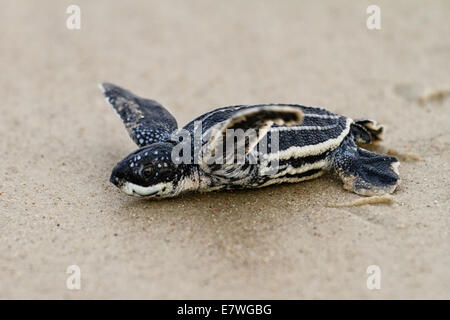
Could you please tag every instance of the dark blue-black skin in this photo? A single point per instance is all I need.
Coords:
(150, 126)
(141, 166)
(368, 169)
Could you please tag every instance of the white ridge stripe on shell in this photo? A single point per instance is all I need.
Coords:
(303, 128)
(222, 110)
(321, 116)
(300, 152)
(305, 115)
(308, 115)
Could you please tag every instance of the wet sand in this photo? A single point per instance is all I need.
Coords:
(60, 141)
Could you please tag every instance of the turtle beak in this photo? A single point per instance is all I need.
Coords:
(117, 178)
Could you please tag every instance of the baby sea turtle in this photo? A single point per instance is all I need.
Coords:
(310, 142)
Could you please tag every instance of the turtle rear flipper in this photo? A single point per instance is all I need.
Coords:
(146, 120)
(365, 172)
(367, 131)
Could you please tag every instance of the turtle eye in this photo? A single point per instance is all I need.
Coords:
(147, 172)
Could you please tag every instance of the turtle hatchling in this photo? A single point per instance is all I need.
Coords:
(293, 143)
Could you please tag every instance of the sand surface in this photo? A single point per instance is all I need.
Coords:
(60, 140)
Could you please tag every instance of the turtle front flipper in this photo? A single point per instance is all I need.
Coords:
(146, 120)
(231, 142)
(365, 172)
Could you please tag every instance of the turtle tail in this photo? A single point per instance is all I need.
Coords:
(367, 131)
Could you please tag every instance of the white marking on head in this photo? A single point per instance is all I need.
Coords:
(161, 189)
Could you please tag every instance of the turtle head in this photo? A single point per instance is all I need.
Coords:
(148, 172)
